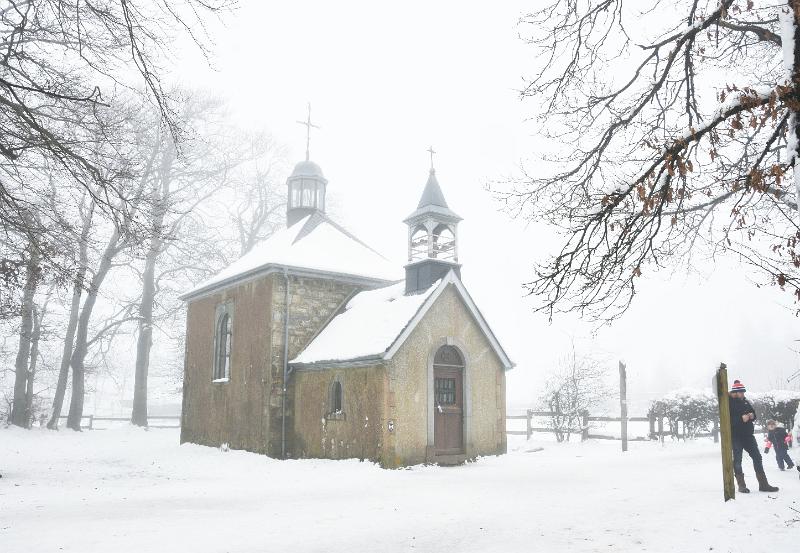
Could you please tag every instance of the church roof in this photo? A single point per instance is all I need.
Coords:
(432, 202)
(307, 169)
(376, 323)
(315, 245)
(432, 195)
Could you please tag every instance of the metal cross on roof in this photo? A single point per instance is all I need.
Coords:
(431, 151)
(308, 125)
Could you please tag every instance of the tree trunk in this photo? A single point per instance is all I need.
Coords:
(159, 198)
(66, 353)
(82, 335)
(72, 323)
(145, 339)
(19, 416)
(38, 314)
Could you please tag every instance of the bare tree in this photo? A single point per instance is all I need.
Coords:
(86, 213)
(677, 128)
(577, 387)
(219, 166)
(22, 376)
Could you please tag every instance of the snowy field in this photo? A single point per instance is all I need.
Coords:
(127, 490)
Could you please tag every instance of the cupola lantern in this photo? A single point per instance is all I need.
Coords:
(432, 238)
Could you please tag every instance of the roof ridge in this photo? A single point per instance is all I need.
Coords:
(349, 234)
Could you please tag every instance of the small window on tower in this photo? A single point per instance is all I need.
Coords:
(308, 194)
(419, 243)
(444, 243)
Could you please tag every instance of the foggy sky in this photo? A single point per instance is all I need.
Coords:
(384, 85)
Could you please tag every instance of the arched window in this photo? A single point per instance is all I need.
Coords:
(419, 243)
(336, 397)
(222, 345)
(444, 243)
(447, 367)
(448, 356)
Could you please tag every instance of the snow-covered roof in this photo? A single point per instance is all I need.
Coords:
(315, 244)
(376, 323)
(432, 201)
(367, 327)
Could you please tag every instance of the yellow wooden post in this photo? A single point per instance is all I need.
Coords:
(720, 385)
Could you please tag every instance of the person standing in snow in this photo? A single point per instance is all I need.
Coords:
(778, 438)
(742, 429)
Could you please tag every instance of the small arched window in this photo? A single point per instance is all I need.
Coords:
(222, 344)
(419, 244)
(444, 243)
(336, 397)
(448, 356)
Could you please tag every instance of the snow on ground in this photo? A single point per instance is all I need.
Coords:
(127, 490)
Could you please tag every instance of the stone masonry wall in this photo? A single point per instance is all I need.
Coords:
(353, 433)
(407, 395)
(228, 412)
(312, 303)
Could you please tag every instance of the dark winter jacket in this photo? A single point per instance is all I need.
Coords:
(777, 437)
(741, 407)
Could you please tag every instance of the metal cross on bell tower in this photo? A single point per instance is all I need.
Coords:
(308, 125)
(431, 151)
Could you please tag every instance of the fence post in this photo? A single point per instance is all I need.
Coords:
(720, 385)
(584, 425)
(651, 420)
(715, 431)
(528, 428)
(91, 421)
(623, 405)
(661, 429)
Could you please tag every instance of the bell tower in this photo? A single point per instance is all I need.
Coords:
(306, 185)
(432, 238)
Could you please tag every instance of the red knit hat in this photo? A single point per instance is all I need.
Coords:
(738, 386)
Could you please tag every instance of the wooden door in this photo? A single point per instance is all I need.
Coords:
(448, 410)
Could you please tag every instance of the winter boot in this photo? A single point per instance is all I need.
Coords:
(740, 482)
(763, 485)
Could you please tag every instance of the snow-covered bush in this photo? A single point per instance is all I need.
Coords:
(693, 408)
(780, 405)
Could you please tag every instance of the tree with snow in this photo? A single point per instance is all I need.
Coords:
(677, 134)
(575, 388)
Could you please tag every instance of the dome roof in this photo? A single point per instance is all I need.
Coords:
(307, 169)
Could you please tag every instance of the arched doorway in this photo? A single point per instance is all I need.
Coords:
(448, 401)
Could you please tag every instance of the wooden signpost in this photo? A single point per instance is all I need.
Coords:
(720, 385)
(623, 405)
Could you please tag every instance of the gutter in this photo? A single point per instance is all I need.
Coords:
(370, 282)
(285, 359)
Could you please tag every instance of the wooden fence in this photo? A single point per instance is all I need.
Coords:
(92, 419)
(655, 429)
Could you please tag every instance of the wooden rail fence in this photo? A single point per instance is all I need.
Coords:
(92, 419)
(656, 427)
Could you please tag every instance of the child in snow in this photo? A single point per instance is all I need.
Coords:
(778, 438)
(742, 429)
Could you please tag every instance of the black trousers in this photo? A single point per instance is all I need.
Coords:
(782, 455)
(750, 445)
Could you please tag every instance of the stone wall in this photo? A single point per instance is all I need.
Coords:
(230, 412)
(312, 303)
(411, 442)
(356, 432)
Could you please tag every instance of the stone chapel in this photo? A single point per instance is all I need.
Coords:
(313, 345)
